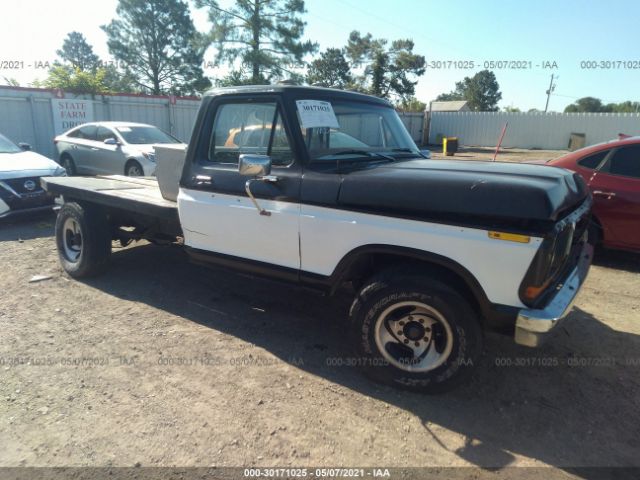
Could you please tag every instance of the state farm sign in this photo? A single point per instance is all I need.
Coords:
(69, 113)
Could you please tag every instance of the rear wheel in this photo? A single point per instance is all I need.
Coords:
(133, 169)
(68, 165)
(415, 332)
(83, 238)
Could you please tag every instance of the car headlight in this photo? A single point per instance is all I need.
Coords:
(149, 156)
(59, 172)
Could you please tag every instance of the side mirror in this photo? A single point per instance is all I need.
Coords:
(110, 141)
(24, 146)
(254, 165)
(258, 167)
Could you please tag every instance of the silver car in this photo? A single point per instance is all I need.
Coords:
(20, 172)
(111, 148)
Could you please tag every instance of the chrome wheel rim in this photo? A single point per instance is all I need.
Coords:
(134, 171)
(71, 240)
(413, 336)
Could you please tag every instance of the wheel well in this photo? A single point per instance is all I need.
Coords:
(596, 221)
(129, 162)
(367, 265)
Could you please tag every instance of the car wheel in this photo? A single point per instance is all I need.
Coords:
(415, 332)
(133, 169)
(83, 238)
(68, 165)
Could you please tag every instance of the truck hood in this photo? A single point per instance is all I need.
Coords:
(464, 189)
(25, 164)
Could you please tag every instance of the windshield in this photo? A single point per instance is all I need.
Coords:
(7, 146)
(145, 135)
(364, 130)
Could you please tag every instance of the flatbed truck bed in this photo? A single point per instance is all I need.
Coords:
(135, 201)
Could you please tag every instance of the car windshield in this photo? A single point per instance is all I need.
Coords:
(145, 135)
(364, 131)
(7, 146)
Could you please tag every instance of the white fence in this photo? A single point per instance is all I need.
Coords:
(550, 131)
(26, 114)
(414, 122)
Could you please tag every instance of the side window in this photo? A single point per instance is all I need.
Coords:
(593, 161)
(626, 162)
(104, 133)
(87, 133)
(248, 128)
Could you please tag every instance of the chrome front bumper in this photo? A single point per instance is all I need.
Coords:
(532, 326)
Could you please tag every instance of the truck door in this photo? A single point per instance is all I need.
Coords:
(217, 216)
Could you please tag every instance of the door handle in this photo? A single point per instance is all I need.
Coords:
(247, 188)
(94, 148)
(600, 193)
(203, 179)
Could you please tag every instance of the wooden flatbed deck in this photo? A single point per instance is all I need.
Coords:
(133, 194)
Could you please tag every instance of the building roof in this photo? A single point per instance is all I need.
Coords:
(453, 106)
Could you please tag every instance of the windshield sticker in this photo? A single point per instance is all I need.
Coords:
(316, 113)
(123, 129)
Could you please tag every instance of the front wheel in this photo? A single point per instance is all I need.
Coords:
(134, 169)
(68, 165)
(415, 332)
(83, 238)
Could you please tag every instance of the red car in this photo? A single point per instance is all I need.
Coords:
(612, 171)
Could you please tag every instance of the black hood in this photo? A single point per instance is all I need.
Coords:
(441, 188)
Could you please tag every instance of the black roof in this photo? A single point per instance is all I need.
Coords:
(296, 90)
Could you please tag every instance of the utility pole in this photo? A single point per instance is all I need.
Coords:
(552, 87)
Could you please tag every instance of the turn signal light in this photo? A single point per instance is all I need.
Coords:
(510, 237)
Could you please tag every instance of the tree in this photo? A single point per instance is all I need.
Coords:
(585, 104)
(158, 45)
(481, 91)
(74, 80)
(623, 107)
(78, 53)
(330, 70)
(511, 109)
(412, 105)
(387, 72)
(11, 82)
(264, 35)
(592, 104)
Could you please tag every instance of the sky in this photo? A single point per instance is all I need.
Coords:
(553, 37)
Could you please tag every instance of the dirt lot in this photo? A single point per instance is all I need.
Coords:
(162, 363)
(505, 154)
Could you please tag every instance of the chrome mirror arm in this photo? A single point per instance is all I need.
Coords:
(247, 188)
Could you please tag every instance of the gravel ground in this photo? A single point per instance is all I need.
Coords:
(505, 154)
(163, 363)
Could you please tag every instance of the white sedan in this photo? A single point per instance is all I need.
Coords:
(20, 172)
(111, 148)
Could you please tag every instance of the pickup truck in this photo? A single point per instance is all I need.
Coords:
(326, 189)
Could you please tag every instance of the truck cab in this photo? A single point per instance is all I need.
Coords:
(326, 189)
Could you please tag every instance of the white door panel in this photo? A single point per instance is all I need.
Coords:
(231, 225)
(327, 235)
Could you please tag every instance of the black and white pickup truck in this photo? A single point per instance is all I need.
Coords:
(326, 189)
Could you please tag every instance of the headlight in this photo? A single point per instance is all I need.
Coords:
(149, 156)
(60, 172)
